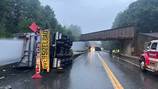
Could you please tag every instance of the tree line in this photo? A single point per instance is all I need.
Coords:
(17, 15)
(143, 14)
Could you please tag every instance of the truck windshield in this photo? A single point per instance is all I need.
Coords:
(154, 46)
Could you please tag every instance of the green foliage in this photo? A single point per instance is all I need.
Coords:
(143, 14)
(75, 32)
(17, 15)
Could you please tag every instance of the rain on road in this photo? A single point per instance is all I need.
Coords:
(94, 70)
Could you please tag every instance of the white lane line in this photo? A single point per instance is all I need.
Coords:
(129, 62)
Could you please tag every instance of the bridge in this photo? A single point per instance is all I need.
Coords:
(122, 33)
(131, 42)
(125, 36)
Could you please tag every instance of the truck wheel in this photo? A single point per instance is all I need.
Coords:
(142, 65)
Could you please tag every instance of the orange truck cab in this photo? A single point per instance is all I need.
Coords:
(149, 58)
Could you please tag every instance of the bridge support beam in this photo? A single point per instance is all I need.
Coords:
(128, 48)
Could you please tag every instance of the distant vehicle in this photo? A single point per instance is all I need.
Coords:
(149, 58)
(98, 49)
(92, 49)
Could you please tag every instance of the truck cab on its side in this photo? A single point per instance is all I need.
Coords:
(149, 58)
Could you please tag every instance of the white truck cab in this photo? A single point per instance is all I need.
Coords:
(149, 58)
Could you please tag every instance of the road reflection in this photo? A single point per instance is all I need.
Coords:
(90, 55)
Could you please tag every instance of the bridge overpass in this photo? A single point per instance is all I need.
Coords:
(122, 33)
(125, 35)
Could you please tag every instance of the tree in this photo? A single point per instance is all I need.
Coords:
(143, 14)
(75, 31)
(17, 15)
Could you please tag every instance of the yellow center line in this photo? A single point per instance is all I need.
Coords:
(116, 84)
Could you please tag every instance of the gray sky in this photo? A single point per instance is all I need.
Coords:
(90, 15)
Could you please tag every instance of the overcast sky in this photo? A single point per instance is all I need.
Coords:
(90, 15)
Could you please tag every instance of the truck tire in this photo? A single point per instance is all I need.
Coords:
(142, 65)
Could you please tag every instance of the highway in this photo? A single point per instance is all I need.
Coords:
(93, 70)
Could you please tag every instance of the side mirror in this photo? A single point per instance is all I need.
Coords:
(147, 48)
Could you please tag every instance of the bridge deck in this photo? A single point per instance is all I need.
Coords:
(111, 34)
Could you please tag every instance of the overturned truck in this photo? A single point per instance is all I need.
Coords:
(55, 50)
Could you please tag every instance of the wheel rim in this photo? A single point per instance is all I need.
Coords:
(142, 65)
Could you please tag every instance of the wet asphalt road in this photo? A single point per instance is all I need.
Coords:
(87, 72)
